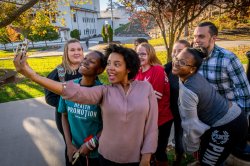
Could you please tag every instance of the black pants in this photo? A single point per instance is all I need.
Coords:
(58, 119)
(105, 162)
(163, 136)
(218, 142)
(178, 132)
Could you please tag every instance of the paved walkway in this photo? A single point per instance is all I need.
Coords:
(28, 134)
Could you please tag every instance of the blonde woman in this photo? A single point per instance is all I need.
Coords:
(68, 70)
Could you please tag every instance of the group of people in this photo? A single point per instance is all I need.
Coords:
(203, 90)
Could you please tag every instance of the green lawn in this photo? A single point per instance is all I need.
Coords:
(25, 88)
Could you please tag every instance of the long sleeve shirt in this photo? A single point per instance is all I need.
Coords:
(157, 77)
(129, 120)
(52, 98)
(200, 108)
(225, 72)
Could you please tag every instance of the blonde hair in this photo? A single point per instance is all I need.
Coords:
(65, 58)
(152, 58)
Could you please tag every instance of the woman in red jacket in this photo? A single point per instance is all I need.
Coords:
(152, 71)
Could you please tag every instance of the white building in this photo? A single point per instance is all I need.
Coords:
(120, 17)
(80, 17)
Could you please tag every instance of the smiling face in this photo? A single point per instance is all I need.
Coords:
(116, 69)
(75, 53)
(143, 56)
(203, 38)
(183, 65)
(177, 48)
(91, 65)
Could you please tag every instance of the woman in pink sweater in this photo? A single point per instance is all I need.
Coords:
(129, 108)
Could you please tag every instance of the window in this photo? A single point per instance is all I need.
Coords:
(74, 17)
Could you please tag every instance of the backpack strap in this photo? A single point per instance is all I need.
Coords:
(61, 73)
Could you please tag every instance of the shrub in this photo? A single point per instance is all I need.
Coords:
(75, 34)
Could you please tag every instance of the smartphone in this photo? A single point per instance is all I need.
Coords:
(22, 47)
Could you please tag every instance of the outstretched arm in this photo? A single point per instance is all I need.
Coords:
(21, 65)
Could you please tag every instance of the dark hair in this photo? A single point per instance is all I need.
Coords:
(103, 60)
(184, 42)
(198, 53)
(212, 28)
(141, 40)
(130, 56)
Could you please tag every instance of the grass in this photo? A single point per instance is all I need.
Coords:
(234, 37)
(171, 157)
(240, 51)
(6, 54)
(153, 42)
(25, 88)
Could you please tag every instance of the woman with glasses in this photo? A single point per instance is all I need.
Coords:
(174, 94)
(152, 71)
(212, 125)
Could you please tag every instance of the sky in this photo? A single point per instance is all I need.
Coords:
(103, 4)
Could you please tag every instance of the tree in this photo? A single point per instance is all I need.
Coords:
(107, 33)
(75, 34)
(173, 16)
(104, 34)
(170, 16)
(52, 34)
(9, 16)
(13, 15)
(112, 5)
(110, 33)
(4, 39)
(41, 29)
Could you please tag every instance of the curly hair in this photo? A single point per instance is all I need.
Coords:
(130, 56)
(103, 61)
(199, 53)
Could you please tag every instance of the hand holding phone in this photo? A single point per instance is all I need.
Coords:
(22, 47)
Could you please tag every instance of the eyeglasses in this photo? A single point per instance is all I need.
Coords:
(181, 62)
(142, 54)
